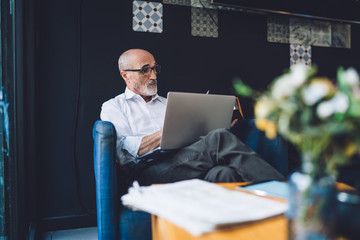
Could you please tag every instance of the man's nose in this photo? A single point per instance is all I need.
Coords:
(153, 74)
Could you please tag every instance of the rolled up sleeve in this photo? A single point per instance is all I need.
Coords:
(127, 146)
(132, 144)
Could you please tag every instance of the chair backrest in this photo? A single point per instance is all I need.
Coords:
(107, 195)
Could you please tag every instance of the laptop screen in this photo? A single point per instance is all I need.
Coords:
(191, 115)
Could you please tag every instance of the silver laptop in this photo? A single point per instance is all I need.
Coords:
(189, 116)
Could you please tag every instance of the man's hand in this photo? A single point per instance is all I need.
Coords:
(234, 122)
(150, 142)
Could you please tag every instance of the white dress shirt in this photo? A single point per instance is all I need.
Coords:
(133, 118)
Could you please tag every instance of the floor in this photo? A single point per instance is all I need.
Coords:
(73, 234)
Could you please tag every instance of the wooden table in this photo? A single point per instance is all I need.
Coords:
(271, 228)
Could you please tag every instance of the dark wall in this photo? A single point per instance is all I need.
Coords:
(77, 46)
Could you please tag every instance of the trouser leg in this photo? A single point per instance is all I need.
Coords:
(228, 150)
(218, 148)
(222, 174)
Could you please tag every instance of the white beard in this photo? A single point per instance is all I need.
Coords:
(152, 90)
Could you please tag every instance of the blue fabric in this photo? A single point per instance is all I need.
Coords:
(106, 180)
(274, 151)
(135, 225)
(114, 221)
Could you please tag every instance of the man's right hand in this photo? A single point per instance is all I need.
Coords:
(150, 142)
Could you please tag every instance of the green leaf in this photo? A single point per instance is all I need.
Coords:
(312, 71)
(354, 110)
(241, 88)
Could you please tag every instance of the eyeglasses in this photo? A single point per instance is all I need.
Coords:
(146, 70)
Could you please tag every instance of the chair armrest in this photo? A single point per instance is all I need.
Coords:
(107, 196)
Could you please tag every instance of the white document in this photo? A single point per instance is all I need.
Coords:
(200, 207)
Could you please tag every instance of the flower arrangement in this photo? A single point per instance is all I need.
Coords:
(321, 118)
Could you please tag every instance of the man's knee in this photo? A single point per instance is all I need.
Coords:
(219, 133)
(222, 174)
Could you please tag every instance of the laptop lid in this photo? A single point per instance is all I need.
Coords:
(191, 115)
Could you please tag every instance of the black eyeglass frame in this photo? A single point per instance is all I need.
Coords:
(155, 68)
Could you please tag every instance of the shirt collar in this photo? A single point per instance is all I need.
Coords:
(130, 94)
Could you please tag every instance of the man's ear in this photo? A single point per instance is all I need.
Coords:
(124, 75)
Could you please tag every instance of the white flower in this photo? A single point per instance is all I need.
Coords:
(298, 73)
(351, 77)
(338, 104)
(324, 110)
(283, 87)
(264, 107)
(314, 92)
(286, 85)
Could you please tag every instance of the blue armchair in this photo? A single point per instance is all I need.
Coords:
(114, 221)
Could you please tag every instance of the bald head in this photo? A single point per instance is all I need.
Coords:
(130, 64)
(131, 57)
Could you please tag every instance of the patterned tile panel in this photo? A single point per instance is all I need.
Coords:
(340, 35)
(310, 32)
(202, 4)
(147, 16)
(300, 54)
(321, 33)
(207, 4)
(278, 29)
(178, 2)
(204, 22)
(300, 31)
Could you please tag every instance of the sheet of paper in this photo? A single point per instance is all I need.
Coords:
(270, 188)
(199, 207)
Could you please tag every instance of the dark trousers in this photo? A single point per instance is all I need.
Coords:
(218, 157)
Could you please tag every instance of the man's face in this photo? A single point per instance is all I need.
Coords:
(143, 84)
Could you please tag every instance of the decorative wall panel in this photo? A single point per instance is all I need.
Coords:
(310, 32)
(283, 29)
(207, 4)
(178, 2)
(278, 29)
(321, 34)
(204, 22)
(300, 54)
(147, 16)
(340, 35)
(202, 4)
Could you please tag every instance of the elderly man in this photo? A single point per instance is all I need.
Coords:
(138, 116)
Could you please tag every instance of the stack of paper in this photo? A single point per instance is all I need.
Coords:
(199, 207)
